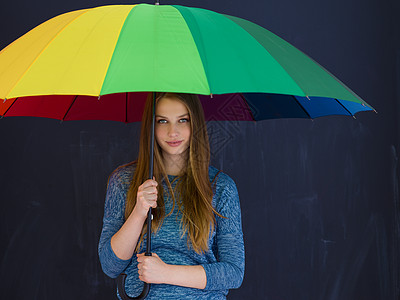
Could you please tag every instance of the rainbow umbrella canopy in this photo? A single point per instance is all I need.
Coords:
(99, 63)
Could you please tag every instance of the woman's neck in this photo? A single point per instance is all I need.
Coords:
(174, 164)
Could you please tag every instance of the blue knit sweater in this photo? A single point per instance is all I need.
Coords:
(223, 262)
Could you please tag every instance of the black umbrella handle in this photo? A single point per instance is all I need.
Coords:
(121, 278)
(121, 288)
(121, 283)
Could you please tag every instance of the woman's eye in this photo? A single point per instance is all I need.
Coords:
(184, 120)
(162, 121)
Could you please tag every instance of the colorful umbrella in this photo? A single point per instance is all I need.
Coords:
(100, 63)
(85, 59)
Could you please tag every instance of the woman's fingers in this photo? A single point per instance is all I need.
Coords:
(146, 197)
(149, 198)
(150, 268)
(148, 190)
(148, 183)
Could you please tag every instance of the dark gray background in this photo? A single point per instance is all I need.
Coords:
(320, 199)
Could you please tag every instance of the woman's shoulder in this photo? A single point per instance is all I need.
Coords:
(219, 178)
(224, 189)
(123, 173)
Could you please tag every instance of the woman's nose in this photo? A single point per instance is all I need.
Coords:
(173, 130)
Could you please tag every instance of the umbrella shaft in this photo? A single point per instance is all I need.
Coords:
(151, 163)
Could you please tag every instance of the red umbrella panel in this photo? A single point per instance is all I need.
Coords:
(128, 107)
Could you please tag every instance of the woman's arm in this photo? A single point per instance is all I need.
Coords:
(113, 220)
(153, 270)
(228, 271)
(125, 240)
(119, 238)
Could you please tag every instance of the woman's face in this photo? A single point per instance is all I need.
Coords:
(172, 129)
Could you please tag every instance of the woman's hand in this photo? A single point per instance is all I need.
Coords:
(146, 197)
(152, 269)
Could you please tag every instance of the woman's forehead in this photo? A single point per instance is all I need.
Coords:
(171, 106)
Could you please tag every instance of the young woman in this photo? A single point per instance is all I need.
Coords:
(197, 239)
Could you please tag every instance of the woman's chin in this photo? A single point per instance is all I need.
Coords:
(175, 152)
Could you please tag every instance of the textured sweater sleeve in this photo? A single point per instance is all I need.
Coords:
(228, 271)
(113, 220)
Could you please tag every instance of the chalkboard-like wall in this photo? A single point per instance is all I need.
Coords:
(319, 198)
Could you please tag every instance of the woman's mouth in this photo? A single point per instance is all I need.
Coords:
(174, 143)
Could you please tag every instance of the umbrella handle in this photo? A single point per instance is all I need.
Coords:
(122, 277)
(121, 288)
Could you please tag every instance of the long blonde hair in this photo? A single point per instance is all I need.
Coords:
(198, 219)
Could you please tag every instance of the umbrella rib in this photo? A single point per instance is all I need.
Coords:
(72, 103)
(344, 108)
(126, 108)
(248, 107)
(306, 112)
(9, 108)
